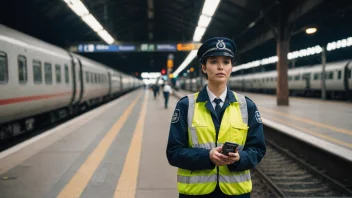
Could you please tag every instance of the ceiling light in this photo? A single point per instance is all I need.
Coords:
(198, 34)
(92, 22)
(210, 7)
(78, 7)
(311, 30)
(204, 21)
(106, 37)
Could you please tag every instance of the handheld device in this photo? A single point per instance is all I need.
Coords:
(229, 147)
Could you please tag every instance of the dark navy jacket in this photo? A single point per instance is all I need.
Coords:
(180, 155)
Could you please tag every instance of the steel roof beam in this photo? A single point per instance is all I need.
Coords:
(301, 10)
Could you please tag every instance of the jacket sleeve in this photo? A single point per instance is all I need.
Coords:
(178, 152)
(254, 148)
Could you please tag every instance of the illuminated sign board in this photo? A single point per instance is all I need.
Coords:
(166, 47)
(144, 47)
(97, 48)
(127, 48)
(185, 46)
(147, 47)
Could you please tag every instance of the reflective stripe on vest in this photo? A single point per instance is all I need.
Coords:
(201, 133)
(196, 179)
(210, 178)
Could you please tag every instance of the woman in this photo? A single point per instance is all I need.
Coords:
(204, 121)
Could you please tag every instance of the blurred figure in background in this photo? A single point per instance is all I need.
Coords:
(155, 88)
(167, 91)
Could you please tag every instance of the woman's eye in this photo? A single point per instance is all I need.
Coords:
(226, 62)
(213, 62)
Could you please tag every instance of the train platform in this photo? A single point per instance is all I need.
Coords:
(325, 124)
(115, 150)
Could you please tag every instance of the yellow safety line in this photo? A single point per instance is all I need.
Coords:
(80, 180)
(309, 121)
(326, 137)
(127, 184)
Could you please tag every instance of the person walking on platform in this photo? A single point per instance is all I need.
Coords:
(155, 90)
(207, 126)
(167, 91)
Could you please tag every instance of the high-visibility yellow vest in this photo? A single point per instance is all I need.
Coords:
(202, 134)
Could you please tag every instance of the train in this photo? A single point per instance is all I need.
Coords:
(40, 81)
(302, 81)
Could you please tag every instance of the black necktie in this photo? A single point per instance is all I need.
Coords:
(217, 107)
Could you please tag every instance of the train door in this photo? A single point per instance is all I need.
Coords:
(347, 77)
(121, 83)
(76, 80)
(306, 77)
(109, 81)
(80, 77)
(73, 74)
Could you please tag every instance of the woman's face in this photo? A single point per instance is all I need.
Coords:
(218, 69)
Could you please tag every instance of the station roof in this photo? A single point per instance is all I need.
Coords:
(248, 22)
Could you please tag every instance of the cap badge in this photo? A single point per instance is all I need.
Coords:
(220, 44)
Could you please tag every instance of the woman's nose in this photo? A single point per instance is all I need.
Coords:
(220, 66)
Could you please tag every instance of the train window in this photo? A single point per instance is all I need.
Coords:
(91, 78)
(3, 68)
(289, 78)
(22, 69)
(48, 73)
(87, 77)
(316, 76)
(95, 78)
(349, 73)
(37, 72)
(331, 75)
(58, 73)
(297, 77)
(339, 75)
(67, 77)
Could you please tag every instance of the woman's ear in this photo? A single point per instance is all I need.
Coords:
(204, 68)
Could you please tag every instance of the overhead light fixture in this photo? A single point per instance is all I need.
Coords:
(210, 7)
(339, 44)
(92, 22)
(311, 30)
(80, 9)
(188, 60)
(106, 36)
(204, 21)
(251, 24)
(198, 34)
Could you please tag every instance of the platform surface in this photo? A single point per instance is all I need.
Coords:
(117, 150)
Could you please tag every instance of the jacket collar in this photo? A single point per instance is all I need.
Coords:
(203, 95)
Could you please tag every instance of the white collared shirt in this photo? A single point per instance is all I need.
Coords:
(212, 97)
(167, 88)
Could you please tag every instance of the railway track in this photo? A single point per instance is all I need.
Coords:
(289, 176)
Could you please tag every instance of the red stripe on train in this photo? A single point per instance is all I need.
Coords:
(40, 97)
(30, 98)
